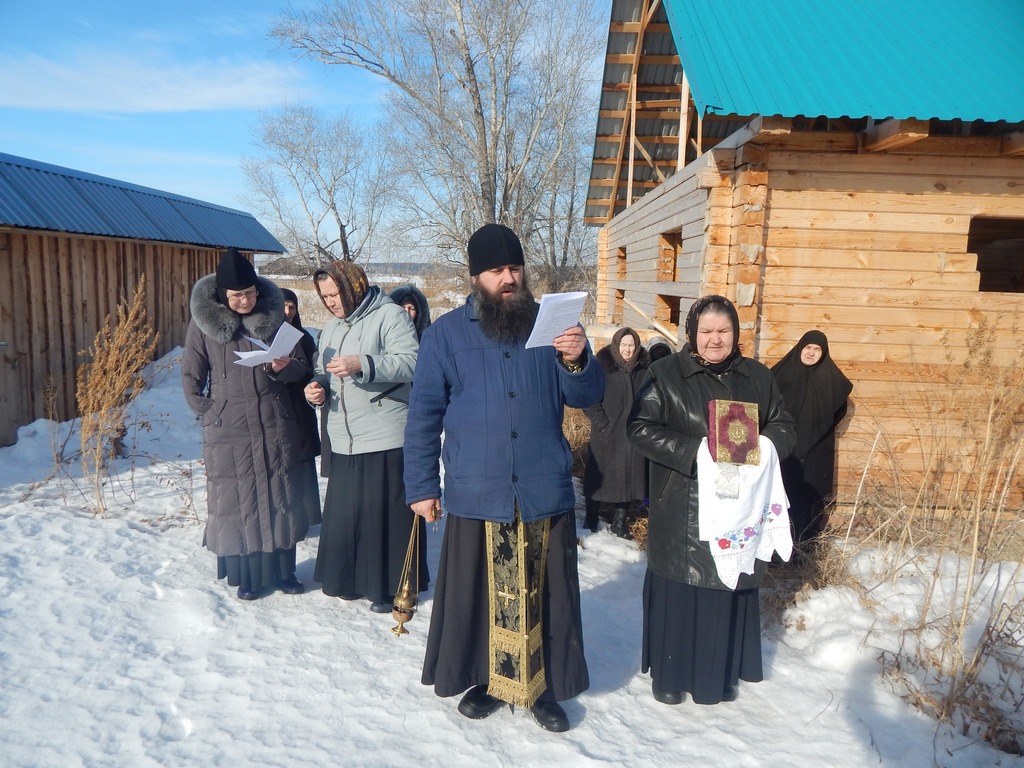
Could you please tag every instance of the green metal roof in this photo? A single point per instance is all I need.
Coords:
(923, 59)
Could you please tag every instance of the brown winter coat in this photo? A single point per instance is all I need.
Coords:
(251, 436)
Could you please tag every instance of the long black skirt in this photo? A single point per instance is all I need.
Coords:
(366, 528)
(457, 656)
(701, 641)
(258, 571)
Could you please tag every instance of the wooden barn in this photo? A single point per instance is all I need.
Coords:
(72, 247)
(859, 170)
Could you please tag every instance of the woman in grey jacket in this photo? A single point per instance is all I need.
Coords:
(257, 508)
(365, 361)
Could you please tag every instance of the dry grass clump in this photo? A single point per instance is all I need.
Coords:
(576, 428)
(108, 383)
(638, 530)
(959, 527)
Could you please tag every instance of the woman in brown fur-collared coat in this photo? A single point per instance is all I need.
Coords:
(616, 472)
(257, 508)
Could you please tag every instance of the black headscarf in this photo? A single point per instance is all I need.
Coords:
(815, 395)
(658, 349)
(718, 305)
(307, 341)
(289, 295)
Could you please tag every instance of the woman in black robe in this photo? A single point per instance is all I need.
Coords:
(616, 473)
(816, 394)
(307, 417)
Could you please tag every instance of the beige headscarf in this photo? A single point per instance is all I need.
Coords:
(350, 279)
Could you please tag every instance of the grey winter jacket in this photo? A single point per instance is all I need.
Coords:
(367, 412)
(251, 436)
(668, 421)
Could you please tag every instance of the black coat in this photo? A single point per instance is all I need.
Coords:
(668, 422)
(306, 414)
(615, 471)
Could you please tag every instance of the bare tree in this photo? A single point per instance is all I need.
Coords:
(317, 182)
(487, 112)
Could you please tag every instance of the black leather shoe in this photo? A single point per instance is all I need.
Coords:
(247, 594)
(478, 703)
(550, 715)
(382, 606)
(291, 586)
(667, 697)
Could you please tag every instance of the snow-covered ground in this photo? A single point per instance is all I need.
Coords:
(119, 648)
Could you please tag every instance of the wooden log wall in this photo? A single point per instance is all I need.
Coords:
(55, 292)
(672, 224)
(872, 249)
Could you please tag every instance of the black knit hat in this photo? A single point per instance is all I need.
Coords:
(235, 272)
(491, 246)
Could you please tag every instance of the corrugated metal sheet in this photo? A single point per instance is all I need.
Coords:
(923, 59)
(37, 195)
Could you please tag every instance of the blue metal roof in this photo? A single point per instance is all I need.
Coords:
(923, 59)
(37, 195)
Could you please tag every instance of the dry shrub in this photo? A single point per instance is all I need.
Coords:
(638, 530)
(576, 428)
(108, 383)
(959, 527)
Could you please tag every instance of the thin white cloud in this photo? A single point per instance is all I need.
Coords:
(125, 84)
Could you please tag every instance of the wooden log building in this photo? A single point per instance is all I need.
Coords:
(73, 246)
(859, 171)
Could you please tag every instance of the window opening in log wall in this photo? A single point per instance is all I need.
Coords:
(620, 263)
(999, 245)
(670, 245)
(617, 307)
(666, 311)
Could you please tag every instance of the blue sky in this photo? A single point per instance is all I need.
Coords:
(158, 93)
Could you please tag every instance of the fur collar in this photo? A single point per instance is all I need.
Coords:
(221, 323)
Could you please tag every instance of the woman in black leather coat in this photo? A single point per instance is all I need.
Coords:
(700, 637)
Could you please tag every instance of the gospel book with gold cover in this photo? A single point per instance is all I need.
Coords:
(733, 432)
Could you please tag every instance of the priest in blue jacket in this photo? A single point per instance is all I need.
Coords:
(505, 624)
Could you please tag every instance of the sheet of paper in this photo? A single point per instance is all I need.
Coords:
(282, 345)
(558, 311)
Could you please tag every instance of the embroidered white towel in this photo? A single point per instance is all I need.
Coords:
(750, 525)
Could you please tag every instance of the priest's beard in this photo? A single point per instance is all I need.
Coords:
(508, 320)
